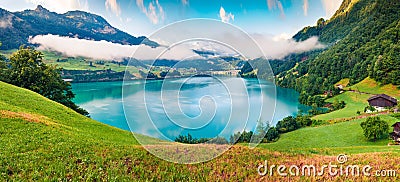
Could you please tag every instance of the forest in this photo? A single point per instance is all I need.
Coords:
(362, 41)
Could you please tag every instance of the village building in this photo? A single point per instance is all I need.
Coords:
(396, 132)
(340, 86)
(382, 101)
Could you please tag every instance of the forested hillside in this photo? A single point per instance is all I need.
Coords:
(363, 39)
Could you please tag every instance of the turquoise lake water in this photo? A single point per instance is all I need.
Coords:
(202, 106)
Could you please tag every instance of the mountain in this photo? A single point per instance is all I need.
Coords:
(17, 27)
(363, 39)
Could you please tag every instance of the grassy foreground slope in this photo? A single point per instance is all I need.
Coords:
(43, 140)
(344, 137)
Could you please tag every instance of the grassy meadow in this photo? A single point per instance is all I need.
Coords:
(344, 137)
(356, 101)
(46, 141)
(369, 85)
(80, 63)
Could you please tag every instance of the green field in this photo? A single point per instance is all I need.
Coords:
(44, 140)
(369, 85)
(77, 63)
(80, 63)
(356, 101)
(344, 137)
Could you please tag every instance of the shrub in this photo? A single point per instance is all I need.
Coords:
(288, 124)
(272, 134)
(374, 128)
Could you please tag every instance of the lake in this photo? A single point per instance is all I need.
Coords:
(202, 106)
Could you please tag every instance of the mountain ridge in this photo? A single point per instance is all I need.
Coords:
(17, 27)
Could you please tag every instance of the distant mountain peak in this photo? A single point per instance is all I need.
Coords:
(345, 7)
(40, 8)
(20, 26)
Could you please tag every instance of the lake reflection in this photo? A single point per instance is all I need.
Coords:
(201, 106)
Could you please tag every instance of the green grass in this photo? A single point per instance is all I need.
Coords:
(344, 137)
(45, 141)
(369, 85)
(80, 63)
(354, 102)
(343, 82)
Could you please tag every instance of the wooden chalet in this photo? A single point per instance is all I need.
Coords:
(396, 132)
(382, 100)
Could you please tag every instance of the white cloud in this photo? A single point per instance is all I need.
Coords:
(305, 7)
(104, 50)
(154, 11)
(273, 47)
(331, 6)
(225, 17)
(281, 37)
(113, 6)
(61, 6)
(276, 47)
(273, 4)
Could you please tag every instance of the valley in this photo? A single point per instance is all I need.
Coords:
(106, 117)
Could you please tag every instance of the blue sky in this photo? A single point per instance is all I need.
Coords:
(142, 17)
(270, 23)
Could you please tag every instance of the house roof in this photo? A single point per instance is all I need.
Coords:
(391, 99)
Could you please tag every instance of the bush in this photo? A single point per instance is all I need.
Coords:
(374, 128)
(396, 115)
(288, 124)
(303, 121)
(272, 134)
(369, 108)
(188, 139)
(319, 123)
(218, 141)
(241, 137)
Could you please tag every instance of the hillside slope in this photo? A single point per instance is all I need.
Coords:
(19, 26)
(22, 104)
(363, 39)
(43, 140)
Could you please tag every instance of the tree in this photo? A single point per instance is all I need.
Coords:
(25, 68)
(288, 124)
(246, 136)
(235, 138)
(261, 130)
(218, 140)
(321, 22)
(186, 139)
(3, 67)
(374, 128)
(303, 121)
(272, 134)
